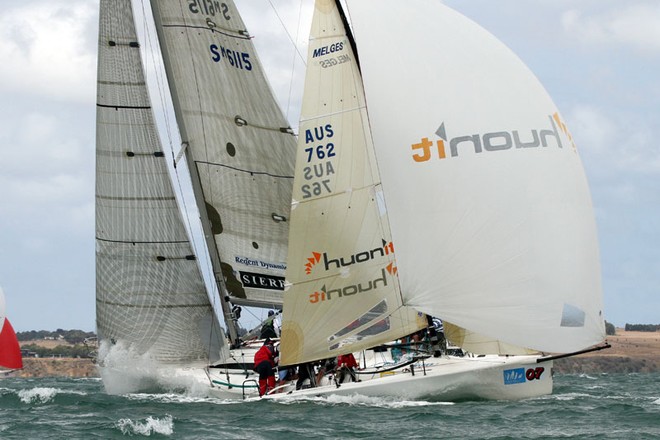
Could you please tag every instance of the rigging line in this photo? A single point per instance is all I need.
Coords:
(142, 242)
(157, 73)
(293, 61)
(215, 288)
(287, 33)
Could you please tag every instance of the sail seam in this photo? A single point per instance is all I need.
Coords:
(135, 199)
(265, 173)
(141, 242)
(122, 83)
(227, 32)
(135, 107)
(163, 306)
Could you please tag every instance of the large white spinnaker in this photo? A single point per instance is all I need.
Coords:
(488, 202)
(150, 295)
(239, 145)
(344, 293)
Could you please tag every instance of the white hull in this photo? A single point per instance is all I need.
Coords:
(448, 378)
(439, 379)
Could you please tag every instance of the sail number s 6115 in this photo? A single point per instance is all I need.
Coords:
(239, 60)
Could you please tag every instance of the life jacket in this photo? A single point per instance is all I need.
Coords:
(265, 353)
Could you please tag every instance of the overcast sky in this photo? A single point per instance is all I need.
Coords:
(599, 60)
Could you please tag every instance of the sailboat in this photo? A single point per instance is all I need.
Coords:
(10, 351)
(432, 177)
(435, 177)
(155, 315)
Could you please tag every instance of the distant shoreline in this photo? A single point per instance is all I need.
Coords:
(631, 352)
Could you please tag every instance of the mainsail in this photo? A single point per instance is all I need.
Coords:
(239, 146)
(344, 292)
(150, 295)
(487, 199)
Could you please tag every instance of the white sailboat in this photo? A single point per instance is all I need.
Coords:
(435, 176)
(155, 318)
(10, 351)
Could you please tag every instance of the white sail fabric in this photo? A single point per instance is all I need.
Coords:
(344, 293)
(241, 147)
(481, 344)
(487, 199)
(150, 295)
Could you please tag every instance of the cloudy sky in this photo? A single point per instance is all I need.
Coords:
(599, 59)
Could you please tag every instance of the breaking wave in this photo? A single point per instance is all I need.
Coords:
(147, 427)
(42, 394)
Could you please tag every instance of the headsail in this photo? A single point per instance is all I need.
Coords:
(150, 294)
(10, 351)
(487, 199)
(341, 263)
(240, 146)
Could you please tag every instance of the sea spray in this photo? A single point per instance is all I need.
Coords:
(147, 427)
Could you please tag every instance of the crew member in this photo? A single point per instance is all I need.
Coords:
(264, 363)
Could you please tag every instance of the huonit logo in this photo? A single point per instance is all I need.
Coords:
(493, 141)
(328, 295)
(360, 257)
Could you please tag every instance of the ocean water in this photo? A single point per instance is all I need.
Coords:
(603, 406)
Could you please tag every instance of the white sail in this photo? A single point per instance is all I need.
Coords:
(487, 199)
(344, 292)
(150, 294)
(240, 146)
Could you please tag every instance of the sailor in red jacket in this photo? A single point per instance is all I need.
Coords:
(264, 363)
(346, 364)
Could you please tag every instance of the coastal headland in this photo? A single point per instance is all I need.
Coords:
(631, 352)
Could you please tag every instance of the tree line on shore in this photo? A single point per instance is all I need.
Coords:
(82, 344)
(642, 327)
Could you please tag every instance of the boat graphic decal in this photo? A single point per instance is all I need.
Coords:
(328, 295)
(519, 375)
(513, 376)
(360, 257)
(426, 149)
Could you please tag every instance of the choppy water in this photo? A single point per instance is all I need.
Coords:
(614, 406)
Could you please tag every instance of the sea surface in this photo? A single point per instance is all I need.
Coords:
(598, 406)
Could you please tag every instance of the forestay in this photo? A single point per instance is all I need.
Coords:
(150, 295)
(488, 203)
(344, 292)
(240, 147)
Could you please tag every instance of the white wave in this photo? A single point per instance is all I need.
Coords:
(178, 398)
(569, 396)
(38, 395)
(657, 402)
(586, 376)
(43, 394)
(147, 427)
(359, 400)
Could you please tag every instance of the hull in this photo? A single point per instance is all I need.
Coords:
(447, 378)
(437, 379)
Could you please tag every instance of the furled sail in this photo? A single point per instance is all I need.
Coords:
(344, 293)
(487, 198)
(240, 148)
(150, 294)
